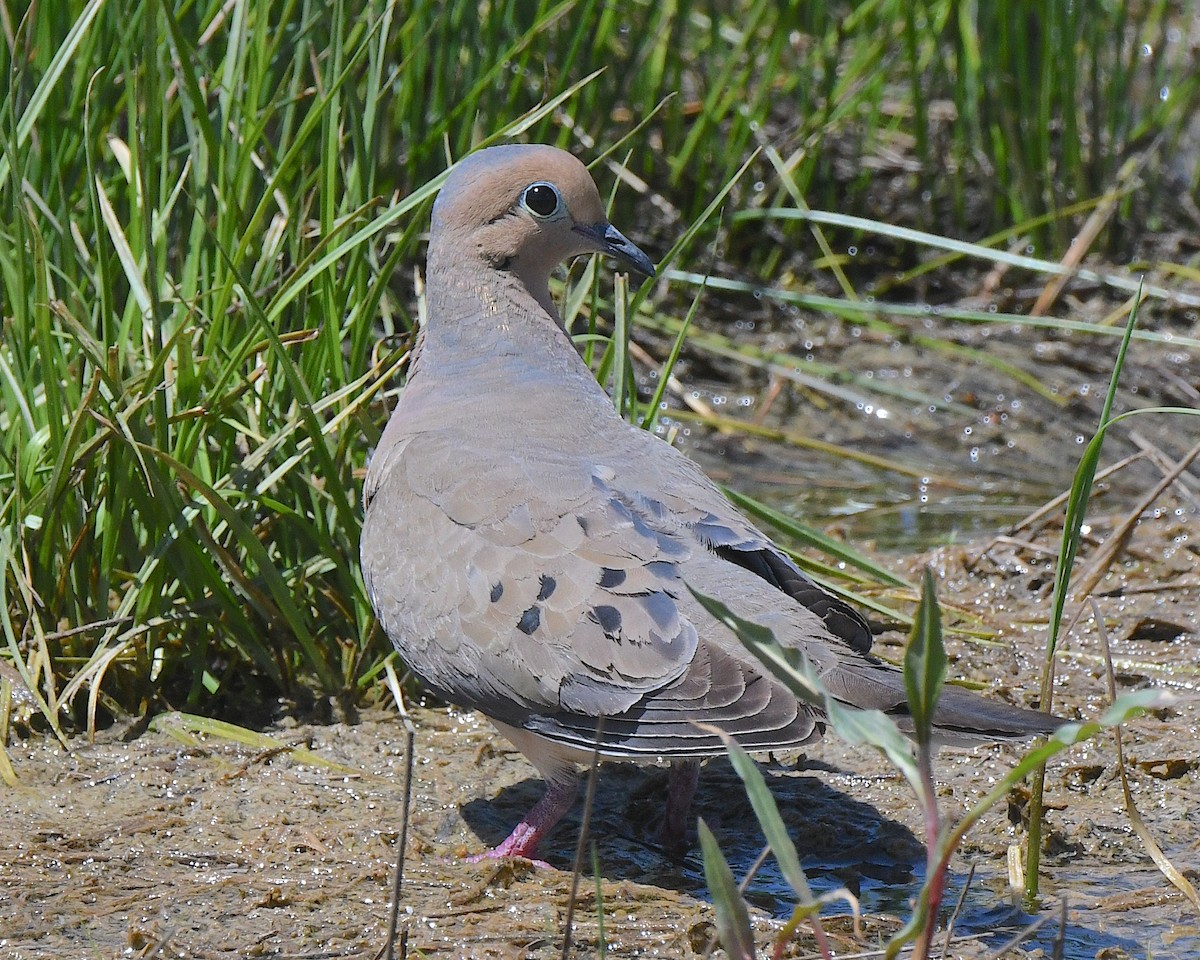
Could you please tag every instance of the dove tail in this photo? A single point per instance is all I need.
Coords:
(964, 718)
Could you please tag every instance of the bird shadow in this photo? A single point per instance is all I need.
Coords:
(842, 841)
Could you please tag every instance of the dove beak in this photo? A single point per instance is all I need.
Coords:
(610, 240)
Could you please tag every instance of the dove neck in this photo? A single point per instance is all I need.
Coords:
(489, 329)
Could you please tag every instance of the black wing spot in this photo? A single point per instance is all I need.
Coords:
(609, 619)
(610, 577)
(497, 591)
(547, 588)
(530, 620)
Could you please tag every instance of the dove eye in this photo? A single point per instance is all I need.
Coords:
(541, 199)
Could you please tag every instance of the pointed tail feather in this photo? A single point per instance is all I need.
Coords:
(964, 718)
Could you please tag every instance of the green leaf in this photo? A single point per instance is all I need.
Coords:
(1072, 536)
(814, 538)
(790, 666)
(767, 812)
(925, 662)
(874, 728)
(733, 919)
(45, 88)
(787, 663)
(988, 254)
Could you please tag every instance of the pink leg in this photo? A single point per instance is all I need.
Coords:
(524, 840)
(682, 779)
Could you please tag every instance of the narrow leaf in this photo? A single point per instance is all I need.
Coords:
(792, 669)
(787, 663)
(63, 58)
(129, 261)
(733, 919)
(175, 723)
(925, 662)
(815, 538)
(767, 812)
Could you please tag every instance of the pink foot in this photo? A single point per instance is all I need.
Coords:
(523, 841)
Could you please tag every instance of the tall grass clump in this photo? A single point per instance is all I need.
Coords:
(185, 371)
(1053, 99)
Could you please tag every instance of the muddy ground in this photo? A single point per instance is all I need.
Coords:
(171, 845)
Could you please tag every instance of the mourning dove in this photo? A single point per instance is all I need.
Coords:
(529, 552)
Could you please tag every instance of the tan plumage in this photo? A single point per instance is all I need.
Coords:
(526, 550)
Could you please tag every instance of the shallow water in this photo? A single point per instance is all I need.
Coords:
(978, 439)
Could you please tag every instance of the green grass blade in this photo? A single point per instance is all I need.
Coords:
(1076, 511)
(664, 373)
(814, 538)
(54, 73)
(280, 591)
(733, 918)
(792, 668)
(925, 662)
(767, 812)
(1116, 281)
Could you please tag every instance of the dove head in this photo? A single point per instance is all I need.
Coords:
(524, 210)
